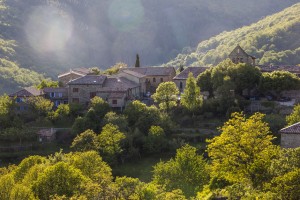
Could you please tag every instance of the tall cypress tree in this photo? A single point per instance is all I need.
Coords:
(137, 61)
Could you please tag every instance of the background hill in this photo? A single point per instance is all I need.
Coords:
(54, 35)
(273, 40)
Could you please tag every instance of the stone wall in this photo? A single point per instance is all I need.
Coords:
(290, 140)
(83, 93)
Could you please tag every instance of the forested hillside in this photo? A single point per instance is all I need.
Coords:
(12, 76)
(53, 35)
(272, 40)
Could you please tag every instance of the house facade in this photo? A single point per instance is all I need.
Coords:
(290, 136)
(56, 95)
(148, 77)
(66, 77)
(238, 55)
(22, 95)
(180, 79)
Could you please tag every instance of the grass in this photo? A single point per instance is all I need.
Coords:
(142, 168)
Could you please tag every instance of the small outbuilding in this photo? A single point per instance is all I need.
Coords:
(290, 136)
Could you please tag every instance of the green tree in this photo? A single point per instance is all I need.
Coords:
(100, 107)
(40, 105)
(294, 117)
(191, 98)
(155, 141)
(204, 81)
(134, 111)
(166, 95)
(115, 69)
(110, 140)
(6, 110)
(86, 141)
(137, 61)
(188, 171)
(114, 118)
(46, 83)
(243, 152)
(59, 179)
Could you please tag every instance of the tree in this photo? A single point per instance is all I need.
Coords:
(204, 81)
(191, 98)
(166, 95)
(100, 107)
(294, 117)
(188, 171)
(86, 141)
(6, 106)
(114, 118)
(40, 105)
(110, 139)
(279, 81)
(137, 61)
(115, 69)
(134, 110)
(155, 140)
(243, 152)
(46, 83)
(60, 179)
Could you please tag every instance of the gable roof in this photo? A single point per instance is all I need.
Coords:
(113, 84)
(59, 89)
(79, 71)
(149, 71)
(242, 51)
(89, 80)
(293, 129)
(27, 92)
(185, 73)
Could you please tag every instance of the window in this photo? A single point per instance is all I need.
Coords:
(75, 100)
(52, 94)
(161, 80)
(75, 89)
(57, 103)
(114, 101)
(241, 60)
(60, 95)
(18, 100)
(180, 85)
(92, 94)
(154, 80)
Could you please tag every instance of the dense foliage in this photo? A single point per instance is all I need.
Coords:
(272, 40)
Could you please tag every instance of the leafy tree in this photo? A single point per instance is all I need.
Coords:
(6, 106)
(155, 140)
(204, 81)
(243, 152)
(294, 117)
(86, 141)
(115, 69)
(21, 192)
(110, 140)
(188, 171)
(114, 118)
(6, 185)
(279, 81)
(60, 179)
(46, 83)
(40, 105)
(61, 113)
(100, 107)
(127, 187)
(166, 95)
(191, 98)
(134, 111)
(137, 61)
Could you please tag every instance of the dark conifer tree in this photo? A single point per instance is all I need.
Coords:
(137, 61)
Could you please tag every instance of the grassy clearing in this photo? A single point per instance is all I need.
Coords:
(142, 168)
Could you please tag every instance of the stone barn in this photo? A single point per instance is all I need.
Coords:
(290, 136)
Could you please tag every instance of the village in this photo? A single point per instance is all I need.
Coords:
(80, 85)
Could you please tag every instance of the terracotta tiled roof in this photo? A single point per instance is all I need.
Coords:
(271, 68)
(89, 80)
(185, 73)
(27, 92)
(149, 71)
(60, 89)
(293, 129)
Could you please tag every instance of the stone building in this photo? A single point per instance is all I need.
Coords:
(56, 95)
(180, 79)
(290, 136)
(23, 94)
(238, 55)
(148, 77)
(66, 77)
(83, 89)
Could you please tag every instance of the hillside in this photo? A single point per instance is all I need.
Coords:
(272, 40)
(12, 76)
(53, 35)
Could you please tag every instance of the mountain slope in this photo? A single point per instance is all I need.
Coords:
(55, 35)
(272, 40)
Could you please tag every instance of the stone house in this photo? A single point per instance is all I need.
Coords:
(83, 89)
(73, 74)
(148, 77)
(56, 95)
(21, 96)
(290, 136)
(180, 79)
(117, 91)
(238, 55)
